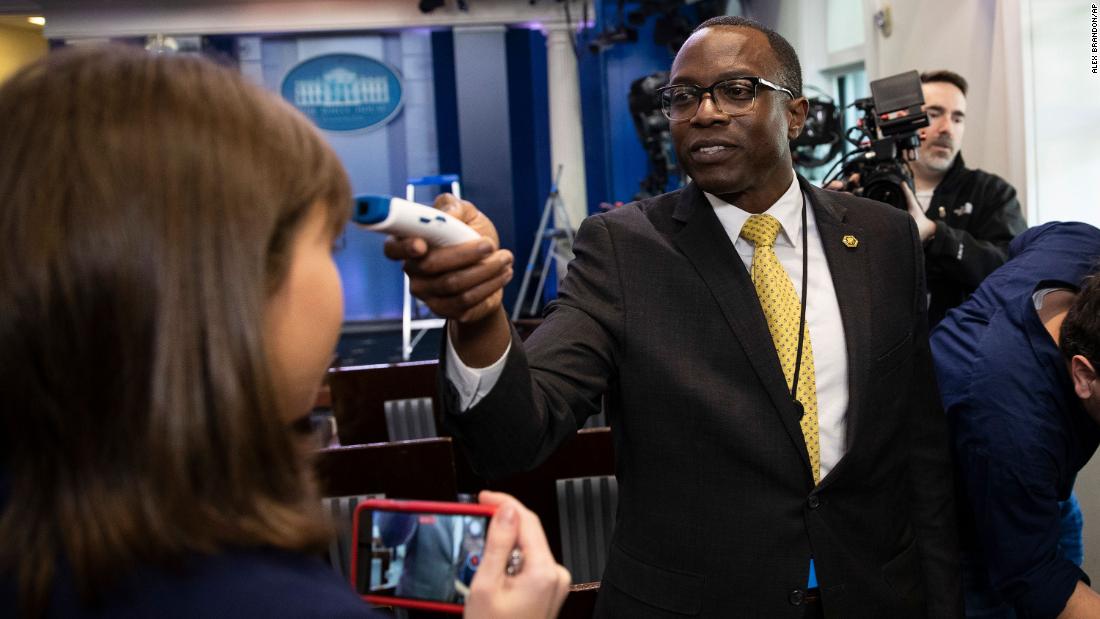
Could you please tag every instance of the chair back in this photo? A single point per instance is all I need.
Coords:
(341, 510)
(590, 453)
(410, 419)
(586, 514)
(422, 469)
(360, 394)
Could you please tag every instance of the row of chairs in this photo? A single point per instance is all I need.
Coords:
(396, 446)
(391, 402)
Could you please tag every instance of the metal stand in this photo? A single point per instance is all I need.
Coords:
(414, 314)
(559, 250)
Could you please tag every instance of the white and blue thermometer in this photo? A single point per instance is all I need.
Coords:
(399, 217)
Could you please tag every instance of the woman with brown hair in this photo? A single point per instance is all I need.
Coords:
(168, 305)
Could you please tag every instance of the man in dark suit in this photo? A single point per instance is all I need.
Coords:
(431, 553)
(762, 349)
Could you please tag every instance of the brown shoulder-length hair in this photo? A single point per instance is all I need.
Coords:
(147, 204)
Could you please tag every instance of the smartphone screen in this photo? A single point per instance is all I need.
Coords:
(422, 556)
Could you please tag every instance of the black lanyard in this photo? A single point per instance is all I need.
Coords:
(802, 309)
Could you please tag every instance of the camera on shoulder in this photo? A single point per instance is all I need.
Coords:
(886, 139)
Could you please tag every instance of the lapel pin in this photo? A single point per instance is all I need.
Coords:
(850, 241)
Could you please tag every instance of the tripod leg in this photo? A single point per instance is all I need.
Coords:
(416, 340)
(536, 247)
(553, 206)
(406, 321)
(550, 258)
(526, 282)
(563, 243)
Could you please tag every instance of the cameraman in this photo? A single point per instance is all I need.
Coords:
(965, 217)
(969, 216)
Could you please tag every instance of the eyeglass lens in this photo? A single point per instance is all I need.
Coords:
(734, 96)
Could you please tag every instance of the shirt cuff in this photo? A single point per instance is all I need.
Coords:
(472, 384)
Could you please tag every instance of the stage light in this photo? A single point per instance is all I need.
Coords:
(609, 38)
(37, 21)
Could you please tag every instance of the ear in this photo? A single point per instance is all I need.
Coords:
(797, 109)
(1084, 375)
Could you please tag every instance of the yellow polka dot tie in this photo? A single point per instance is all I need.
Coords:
(781, 308)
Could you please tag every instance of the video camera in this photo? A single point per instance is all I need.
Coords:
(886, 139)
(820, 141)
(653, 130)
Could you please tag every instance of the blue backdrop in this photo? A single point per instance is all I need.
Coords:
(475, 104)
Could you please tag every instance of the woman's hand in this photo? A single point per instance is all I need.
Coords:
(538, 589)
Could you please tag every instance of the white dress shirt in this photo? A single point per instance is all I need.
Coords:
(822, 318)
(822, 310)
(472, 384)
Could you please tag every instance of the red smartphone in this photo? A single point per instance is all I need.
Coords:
(417, 554)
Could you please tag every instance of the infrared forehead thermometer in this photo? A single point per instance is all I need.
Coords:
(404, 218)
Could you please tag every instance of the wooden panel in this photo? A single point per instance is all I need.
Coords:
(589, 453)
(359, 395)
(422, 469)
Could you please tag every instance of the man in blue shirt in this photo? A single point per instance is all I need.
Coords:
(1017, 369)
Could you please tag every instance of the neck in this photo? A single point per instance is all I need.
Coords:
(926, 179)
(758, 199)
(1055, 307)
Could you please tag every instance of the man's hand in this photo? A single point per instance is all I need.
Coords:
(462, 282)
(925, 227)
(848, 185)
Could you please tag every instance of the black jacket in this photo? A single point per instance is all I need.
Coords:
(970, 241)
(718, 513)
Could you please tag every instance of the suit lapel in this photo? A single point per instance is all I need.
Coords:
(850, 273)
(705, 244)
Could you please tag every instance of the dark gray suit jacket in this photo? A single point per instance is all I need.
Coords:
(429, 569)
(718, 512)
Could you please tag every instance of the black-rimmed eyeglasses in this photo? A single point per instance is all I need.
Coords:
(733, 97)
